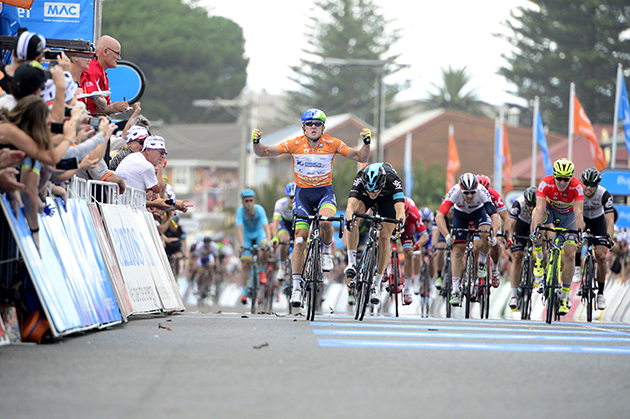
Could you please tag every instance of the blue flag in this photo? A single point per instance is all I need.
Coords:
(542, 143)
(624, 112)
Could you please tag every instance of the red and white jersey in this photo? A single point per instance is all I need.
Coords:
(455, 198)
(497, 200)
(561, 202)
(413, 220)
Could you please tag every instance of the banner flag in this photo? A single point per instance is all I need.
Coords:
(453, 164)
(408, 166)
(507, 163)
(582, 125)
(542, 143)
(59, 19)
(624, 112)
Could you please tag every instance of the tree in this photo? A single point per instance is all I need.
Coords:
(184, 54)
(354, 29)
(559, 42)
(452, 94)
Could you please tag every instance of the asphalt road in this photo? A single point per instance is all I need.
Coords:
(231, 365)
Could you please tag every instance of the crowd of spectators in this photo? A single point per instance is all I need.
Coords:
(56, 122)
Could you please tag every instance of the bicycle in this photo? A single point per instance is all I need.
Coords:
(204, 280)
(255, 272)
(288, 274)
(469, 288)
(425, 286)
(312, 275)
(447, 278)
(526, 284)
(367, 263)
(588, 285)
(551, 285)
(394, 286)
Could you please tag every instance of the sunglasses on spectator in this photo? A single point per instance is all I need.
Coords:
(248, 200)
(314, 123)
(563, 179)
(591, 184)
(469, 192)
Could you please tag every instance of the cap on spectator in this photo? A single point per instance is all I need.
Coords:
(137, 132)
(154, 142)
(28, 78)
(29, 46)
(49, 90)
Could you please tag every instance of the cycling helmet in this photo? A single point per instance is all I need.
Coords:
(591, 175)
(248, 193)
(468, 182)
(313, 114)
(207, 240)
(484, 180)
(374, 177)
(530, 196)
(289, 190)
(563, 168)
(426, 214)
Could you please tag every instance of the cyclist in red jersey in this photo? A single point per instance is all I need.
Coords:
(413, 227)
(560, 200)
(499, 205)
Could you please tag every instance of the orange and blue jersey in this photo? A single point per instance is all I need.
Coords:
(312, 166)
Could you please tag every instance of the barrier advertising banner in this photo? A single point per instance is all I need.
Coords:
(60, 19)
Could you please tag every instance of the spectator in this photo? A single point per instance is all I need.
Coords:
(29, 46)
(135, 141)
(95, 77)
(138, 170)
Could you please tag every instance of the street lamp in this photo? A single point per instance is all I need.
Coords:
(380, 118)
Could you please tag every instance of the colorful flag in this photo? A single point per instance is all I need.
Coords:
(507, 163)
(453, 164)
(582, 125)
(542, 143)
(624, 112)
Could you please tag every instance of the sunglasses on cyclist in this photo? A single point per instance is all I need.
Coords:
(469, 192)
(248, 200)
(591, 184)
(314, 123)
(563, 179)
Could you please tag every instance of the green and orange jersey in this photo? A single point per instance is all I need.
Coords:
(312, 166)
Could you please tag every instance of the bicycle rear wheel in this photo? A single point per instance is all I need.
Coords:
(425, 284)
(484, 290)
(588, 289)
(526, 288)
(395, 280)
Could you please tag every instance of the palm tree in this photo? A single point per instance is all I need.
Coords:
(451, 94)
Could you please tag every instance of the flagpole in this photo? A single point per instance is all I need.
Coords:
(571, 121)
(408, 166)
(613, 154)
(534, 140)
(498, 153)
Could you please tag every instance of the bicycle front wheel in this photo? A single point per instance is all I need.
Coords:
(468, 282)
(447, 286)
(552, 283)
(395, 280)
(526, 288)
(366, 275)
(588, 288)
(254, 287)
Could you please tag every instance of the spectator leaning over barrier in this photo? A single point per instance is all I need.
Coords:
(31, 115)
(28, 47)
(95, 77)
(135, 141)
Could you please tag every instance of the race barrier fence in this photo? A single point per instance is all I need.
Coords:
(100, 259)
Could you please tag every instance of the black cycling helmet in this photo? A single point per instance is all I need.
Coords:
(530, 196)
(374, 177)
(591, 175)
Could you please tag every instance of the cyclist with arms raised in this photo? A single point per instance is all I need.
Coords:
(252, 227)
(559, 198)
(281, 227)
(375, 184)
(313, 155)
(472, 205)
(519, 224)
(599, 218)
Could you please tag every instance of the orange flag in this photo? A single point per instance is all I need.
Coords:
(582, 125)
(507, 164)
(24, 4)
(452, 164)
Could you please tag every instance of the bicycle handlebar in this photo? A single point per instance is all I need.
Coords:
(376, 218)
(318, 217)
(558, 229)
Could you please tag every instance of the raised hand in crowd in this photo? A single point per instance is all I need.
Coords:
(8, 180)
(10, 157)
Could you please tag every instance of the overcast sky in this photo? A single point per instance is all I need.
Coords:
(436, 34)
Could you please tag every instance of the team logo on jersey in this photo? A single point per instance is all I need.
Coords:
(397, 184)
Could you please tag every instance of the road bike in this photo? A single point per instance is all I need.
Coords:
(470, 286)
(552, 285)
(267, 288)
(312, 275)
(447, 278)
(394, 283)
(288, 274)
(526, 283)
(425, 285)
(588, 284)
(367, 264)
(255, 273)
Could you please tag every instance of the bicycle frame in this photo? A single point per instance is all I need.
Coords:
(394, 279)
(469, 276)
(526, 283)
(588, 285)
(254, 270)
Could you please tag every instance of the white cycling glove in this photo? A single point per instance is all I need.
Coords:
(448, 239)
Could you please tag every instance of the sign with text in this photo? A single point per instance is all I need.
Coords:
(60, 19)
(616, 182)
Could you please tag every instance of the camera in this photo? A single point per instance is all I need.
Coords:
(68, 164)
(52, 55)
(56, 128)
(170, 202)
(94, 122)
